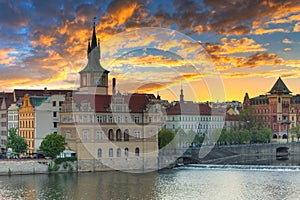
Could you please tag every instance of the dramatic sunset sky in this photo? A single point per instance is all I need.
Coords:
(206, 47)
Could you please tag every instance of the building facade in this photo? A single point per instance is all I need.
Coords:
(278, 109)
(38, 117)
(110, 132)
(5, 102)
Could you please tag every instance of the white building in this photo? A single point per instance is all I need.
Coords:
(47, 118)
(13, 116)
(200, 118)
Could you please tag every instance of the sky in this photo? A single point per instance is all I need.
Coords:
(214, 50)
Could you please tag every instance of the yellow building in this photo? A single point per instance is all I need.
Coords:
(26, 123)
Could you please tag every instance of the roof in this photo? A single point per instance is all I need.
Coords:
(193, 109)
(101, 103)
(93, 64)
(19, 93)
(279, 87)
(37, 100)
(8, 97)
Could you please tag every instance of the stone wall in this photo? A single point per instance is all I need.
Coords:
(14, 167)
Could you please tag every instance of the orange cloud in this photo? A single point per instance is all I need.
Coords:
(5, 58)
(297, 27)
(287, 49)
(262, 31)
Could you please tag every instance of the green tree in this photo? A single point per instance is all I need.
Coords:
(53, 144)
(246, 118)
(165, 136)
(296, 131)
(16, 142)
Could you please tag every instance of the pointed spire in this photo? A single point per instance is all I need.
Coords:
(89, 47)
(181, 94)
(94, 38)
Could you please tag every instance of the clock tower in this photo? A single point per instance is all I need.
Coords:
(94, 78)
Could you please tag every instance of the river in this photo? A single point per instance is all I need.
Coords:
(187, 182)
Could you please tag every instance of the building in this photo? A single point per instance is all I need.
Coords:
(13, 116)
(110, 132)
(38, 117)
(278, 109)
(6, 100)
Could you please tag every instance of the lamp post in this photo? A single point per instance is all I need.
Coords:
(287, 122)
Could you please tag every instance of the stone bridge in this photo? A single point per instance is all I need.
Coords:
(250, 154)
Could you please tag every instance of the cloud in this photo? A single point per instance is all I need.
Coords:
(233, 46)
(5, 57)
(286, 41)
(287, 49)
(297, 27)
(262, 31)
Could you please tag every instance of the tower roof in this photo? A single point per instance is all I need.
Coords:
(279, 87)
(93, 51)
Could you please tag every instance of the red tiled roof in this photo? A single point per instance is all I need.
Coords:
(137, 102)
(229, 117)
(189, 109)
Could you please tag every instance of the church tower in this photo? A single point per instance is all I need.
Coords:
(94, 78)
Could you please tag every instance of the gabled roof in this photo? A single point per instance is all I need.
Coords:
(279, 88)
(8, 97)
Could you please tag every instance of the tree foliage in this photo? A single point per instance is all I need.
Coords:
(165, 137)
(16, 142)
(53, 144)
(296, 131)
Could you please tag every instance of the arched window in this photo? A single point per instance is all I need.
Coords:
(111, 152)
(126, 135)
(126, 152)
(99, 153)
(275, 136)
(110, 135)
(118, 152)
(137, 151)
(284, 136)
(119, 135)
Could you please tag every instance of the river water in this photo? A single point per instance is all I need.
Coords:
(187, 182)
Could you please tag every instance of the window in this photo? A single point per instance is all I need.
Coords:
(3, 115)
(3, 133)
(126, 135)
(126, 152)
(137, 151)
(60, 103)
(111, 152)
(99, 135)
(119, 135)
(55, 124)
(118, 152)
(99, 153)
(137, 134)
(53, 103)
(3, 124)
(85, 135)
(68, 135)
(110, 135)
(54, 114)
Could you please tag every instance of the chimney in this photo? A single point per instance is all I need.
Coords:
(113, 86)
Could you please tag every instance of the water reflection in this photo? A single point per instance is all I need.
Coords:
(184, 183)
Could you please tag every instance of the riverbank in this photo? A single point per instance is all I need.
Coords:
(34, 166)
